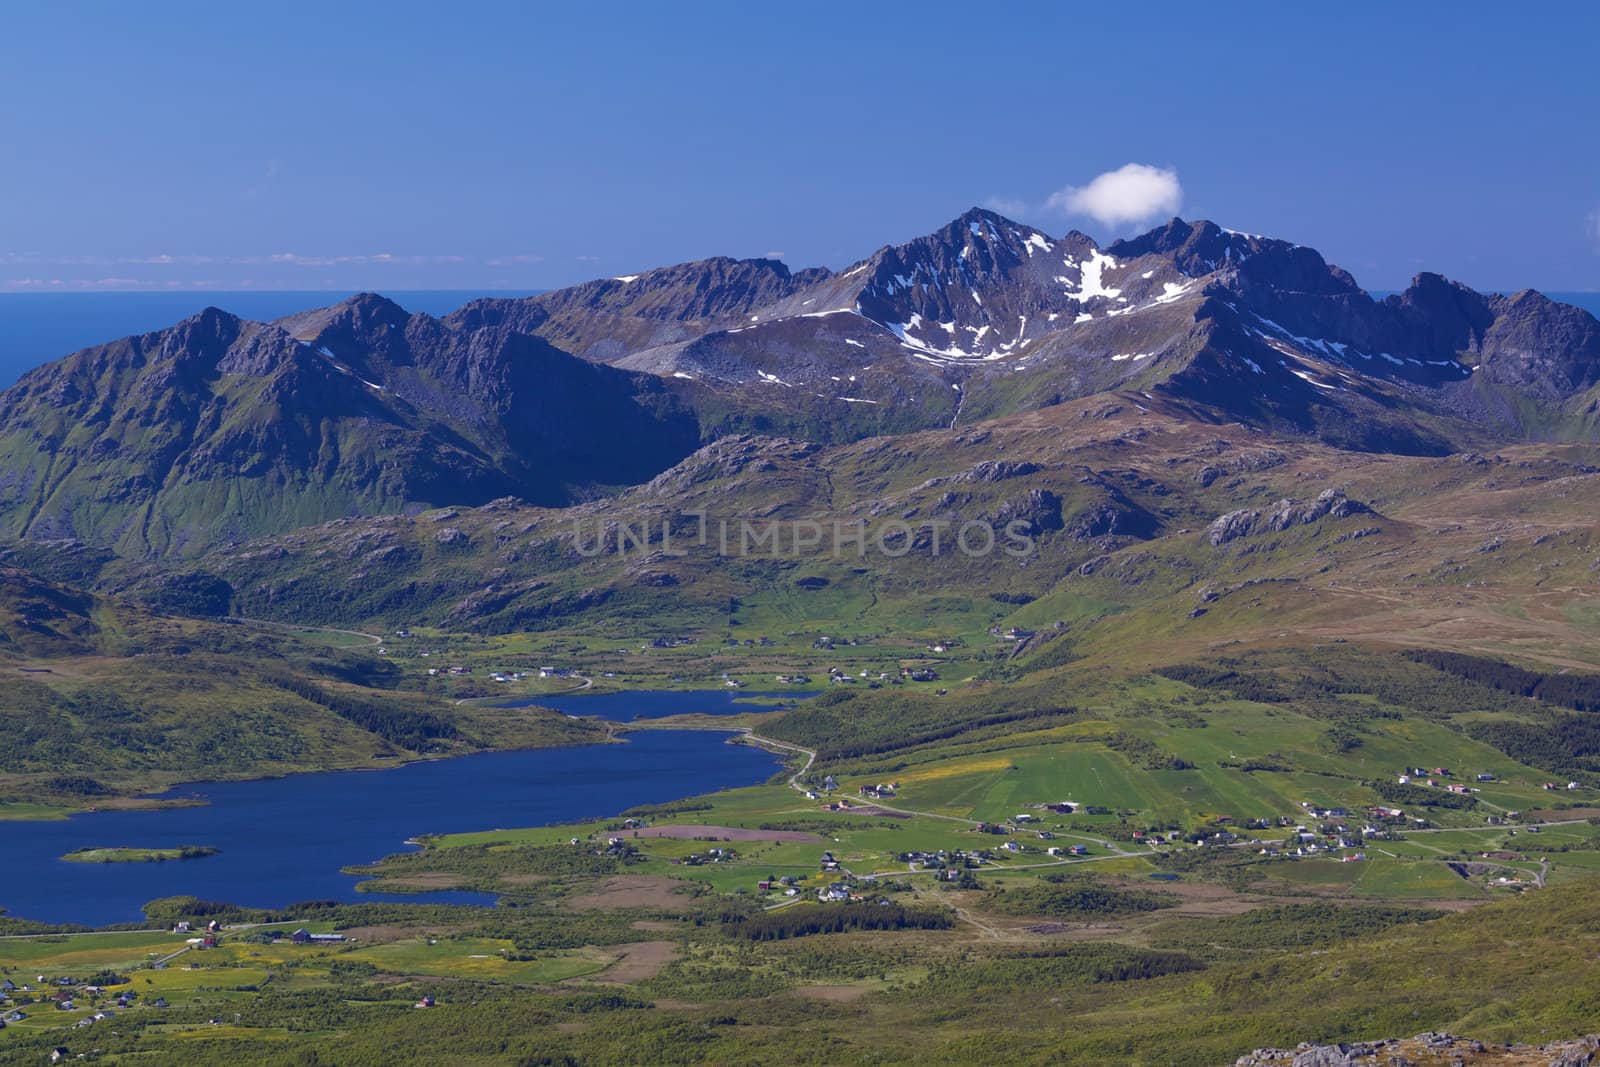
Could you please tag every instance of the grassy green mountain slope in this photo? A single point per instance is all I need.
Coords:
(219, 429)
(105, 699)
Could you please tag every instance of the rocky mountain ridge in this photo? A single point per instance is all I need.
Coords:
(218, 429)
(1240, 325)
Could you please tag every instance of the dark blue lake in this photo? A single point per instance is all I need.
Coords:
(283, 840)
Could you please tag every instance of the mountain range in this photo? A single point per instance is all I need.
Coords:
(1287, 543)
(219, 430)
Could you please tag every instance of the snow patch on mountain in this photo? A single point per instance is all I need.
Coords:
(342, 368)
(1303, 376)
(1091, 273)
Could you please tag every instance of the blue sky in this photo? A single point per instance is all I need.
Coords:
(470, 145)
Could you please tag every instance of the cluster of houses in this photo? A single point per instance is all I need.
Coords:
(1022, 822)
(208, 937)
(876, 679)
(833, 893)
(1324, 831)
(302, 936)
(788, 885)
(1434, 779)
(68, 994)
(1315, 831)
(836, 892)
(504, 676)
(794, 679)
(1072, 807)
(1318, 831)
(953, 860)
(839, 892)
(710, 855)
(824, 643)
(65, 994)
(615, 846)
(671, 642)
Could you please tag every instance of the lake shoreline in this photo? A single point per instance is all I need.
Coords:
(288, 838)
(159, 797)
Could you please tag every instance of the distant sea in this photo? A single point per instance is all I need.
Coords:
(36, 328)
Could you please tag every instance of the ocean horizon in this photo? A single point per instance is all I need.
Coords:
(38, 328)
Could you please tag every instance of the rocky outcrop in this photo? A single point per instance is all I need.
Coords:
(1259, 460)
(1428, 1048)
(1232, 526)
(1284, 515)
(996, 471)
(1038, 510)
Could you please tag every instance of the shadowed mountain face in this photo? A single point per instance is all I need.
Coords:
(1235, 325)
(218, 429)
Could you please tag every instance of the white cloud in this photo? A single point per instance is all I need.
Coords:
(1134, 192)
(37, 284)
(276, 258)
(773, 255)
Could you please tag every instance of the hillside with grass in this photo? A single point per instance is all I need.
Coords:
(107, 699)
(1174, 652)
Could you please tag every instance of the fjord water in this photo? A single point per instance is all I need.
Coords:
(284, 840)
(36, 328)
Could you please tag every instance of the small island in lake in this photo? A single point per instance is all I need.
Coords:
(139, 855)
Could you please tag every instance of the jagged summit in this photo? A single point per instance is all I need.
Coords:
(362, 312)
(218, 428)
